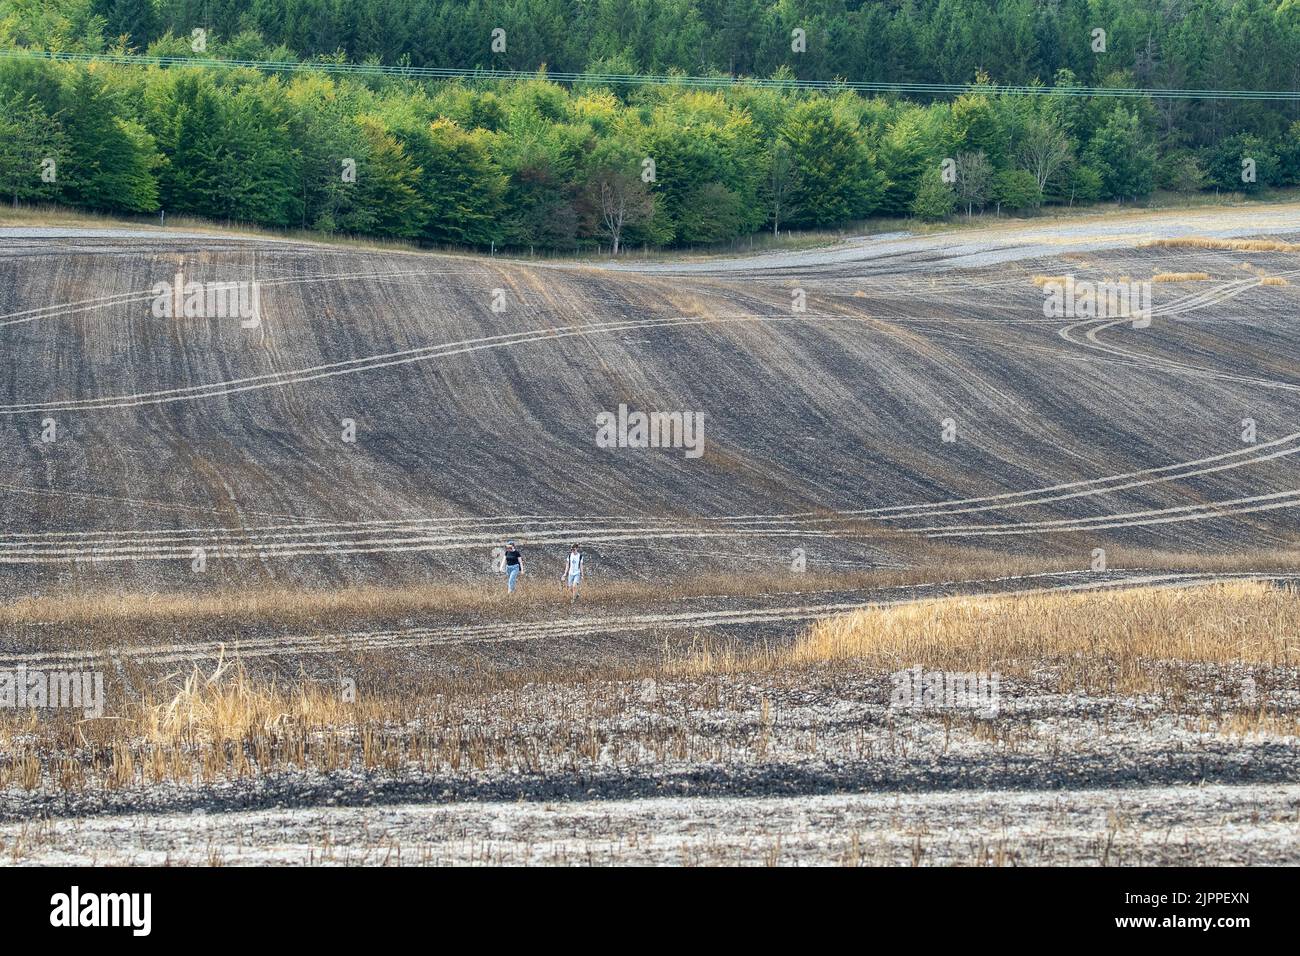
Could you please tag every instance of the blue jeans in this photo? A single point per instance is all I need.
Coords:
(512, 575)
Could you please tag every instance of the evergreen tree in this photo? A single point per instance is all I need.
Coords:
(1016, 189)
(833, 179)
(111, 161)
(32, 151)
(1124, 156)
(136, 20)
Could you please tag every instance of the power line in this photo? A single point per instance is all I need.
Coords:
(637, 79)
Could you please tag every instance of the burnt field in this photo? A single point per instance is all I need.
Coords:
(310, 496)
(870, 418)
(475, 386)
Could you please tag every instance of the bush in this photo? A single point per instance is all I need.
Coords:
(935, 199)
(1181, 172)
(1085, 185)
(1242, 163)
(1016, 189)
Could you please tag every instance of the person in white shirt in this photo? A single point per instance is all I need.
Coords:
(573, 572)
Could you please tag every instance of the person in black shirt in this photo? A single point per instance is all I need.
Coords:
(514, 566)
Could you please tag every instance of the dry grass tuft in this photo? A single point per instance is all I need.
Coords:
(226, 706)
(1180, 276)
(1238, 245)
(1105, 636)
(1041, 281)
(1248, 621)
(1274, 280)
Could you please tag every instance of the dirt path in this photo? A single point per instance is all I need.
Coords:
(996, 244)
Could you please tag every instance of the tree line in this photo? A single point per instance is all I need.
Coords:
(532, 163)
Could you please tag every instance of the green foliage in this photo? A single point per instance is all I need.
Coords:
(708, 172)
(1181, 172)
(228, 151)
(73, 25)
(973, 127)
(1016, 189)
(111, 160)
(523, 163)
(934, 198)
(908, 151)
(32, 150)
(389, 183)
(134, 19)
(1288, 156)
(541, 160)
(461, 187)
(1124, 155)
(1085, 185)
(833, 180)
(1226, 164)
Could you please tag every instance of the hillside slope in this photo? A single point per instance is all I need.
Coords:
(823, 429)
